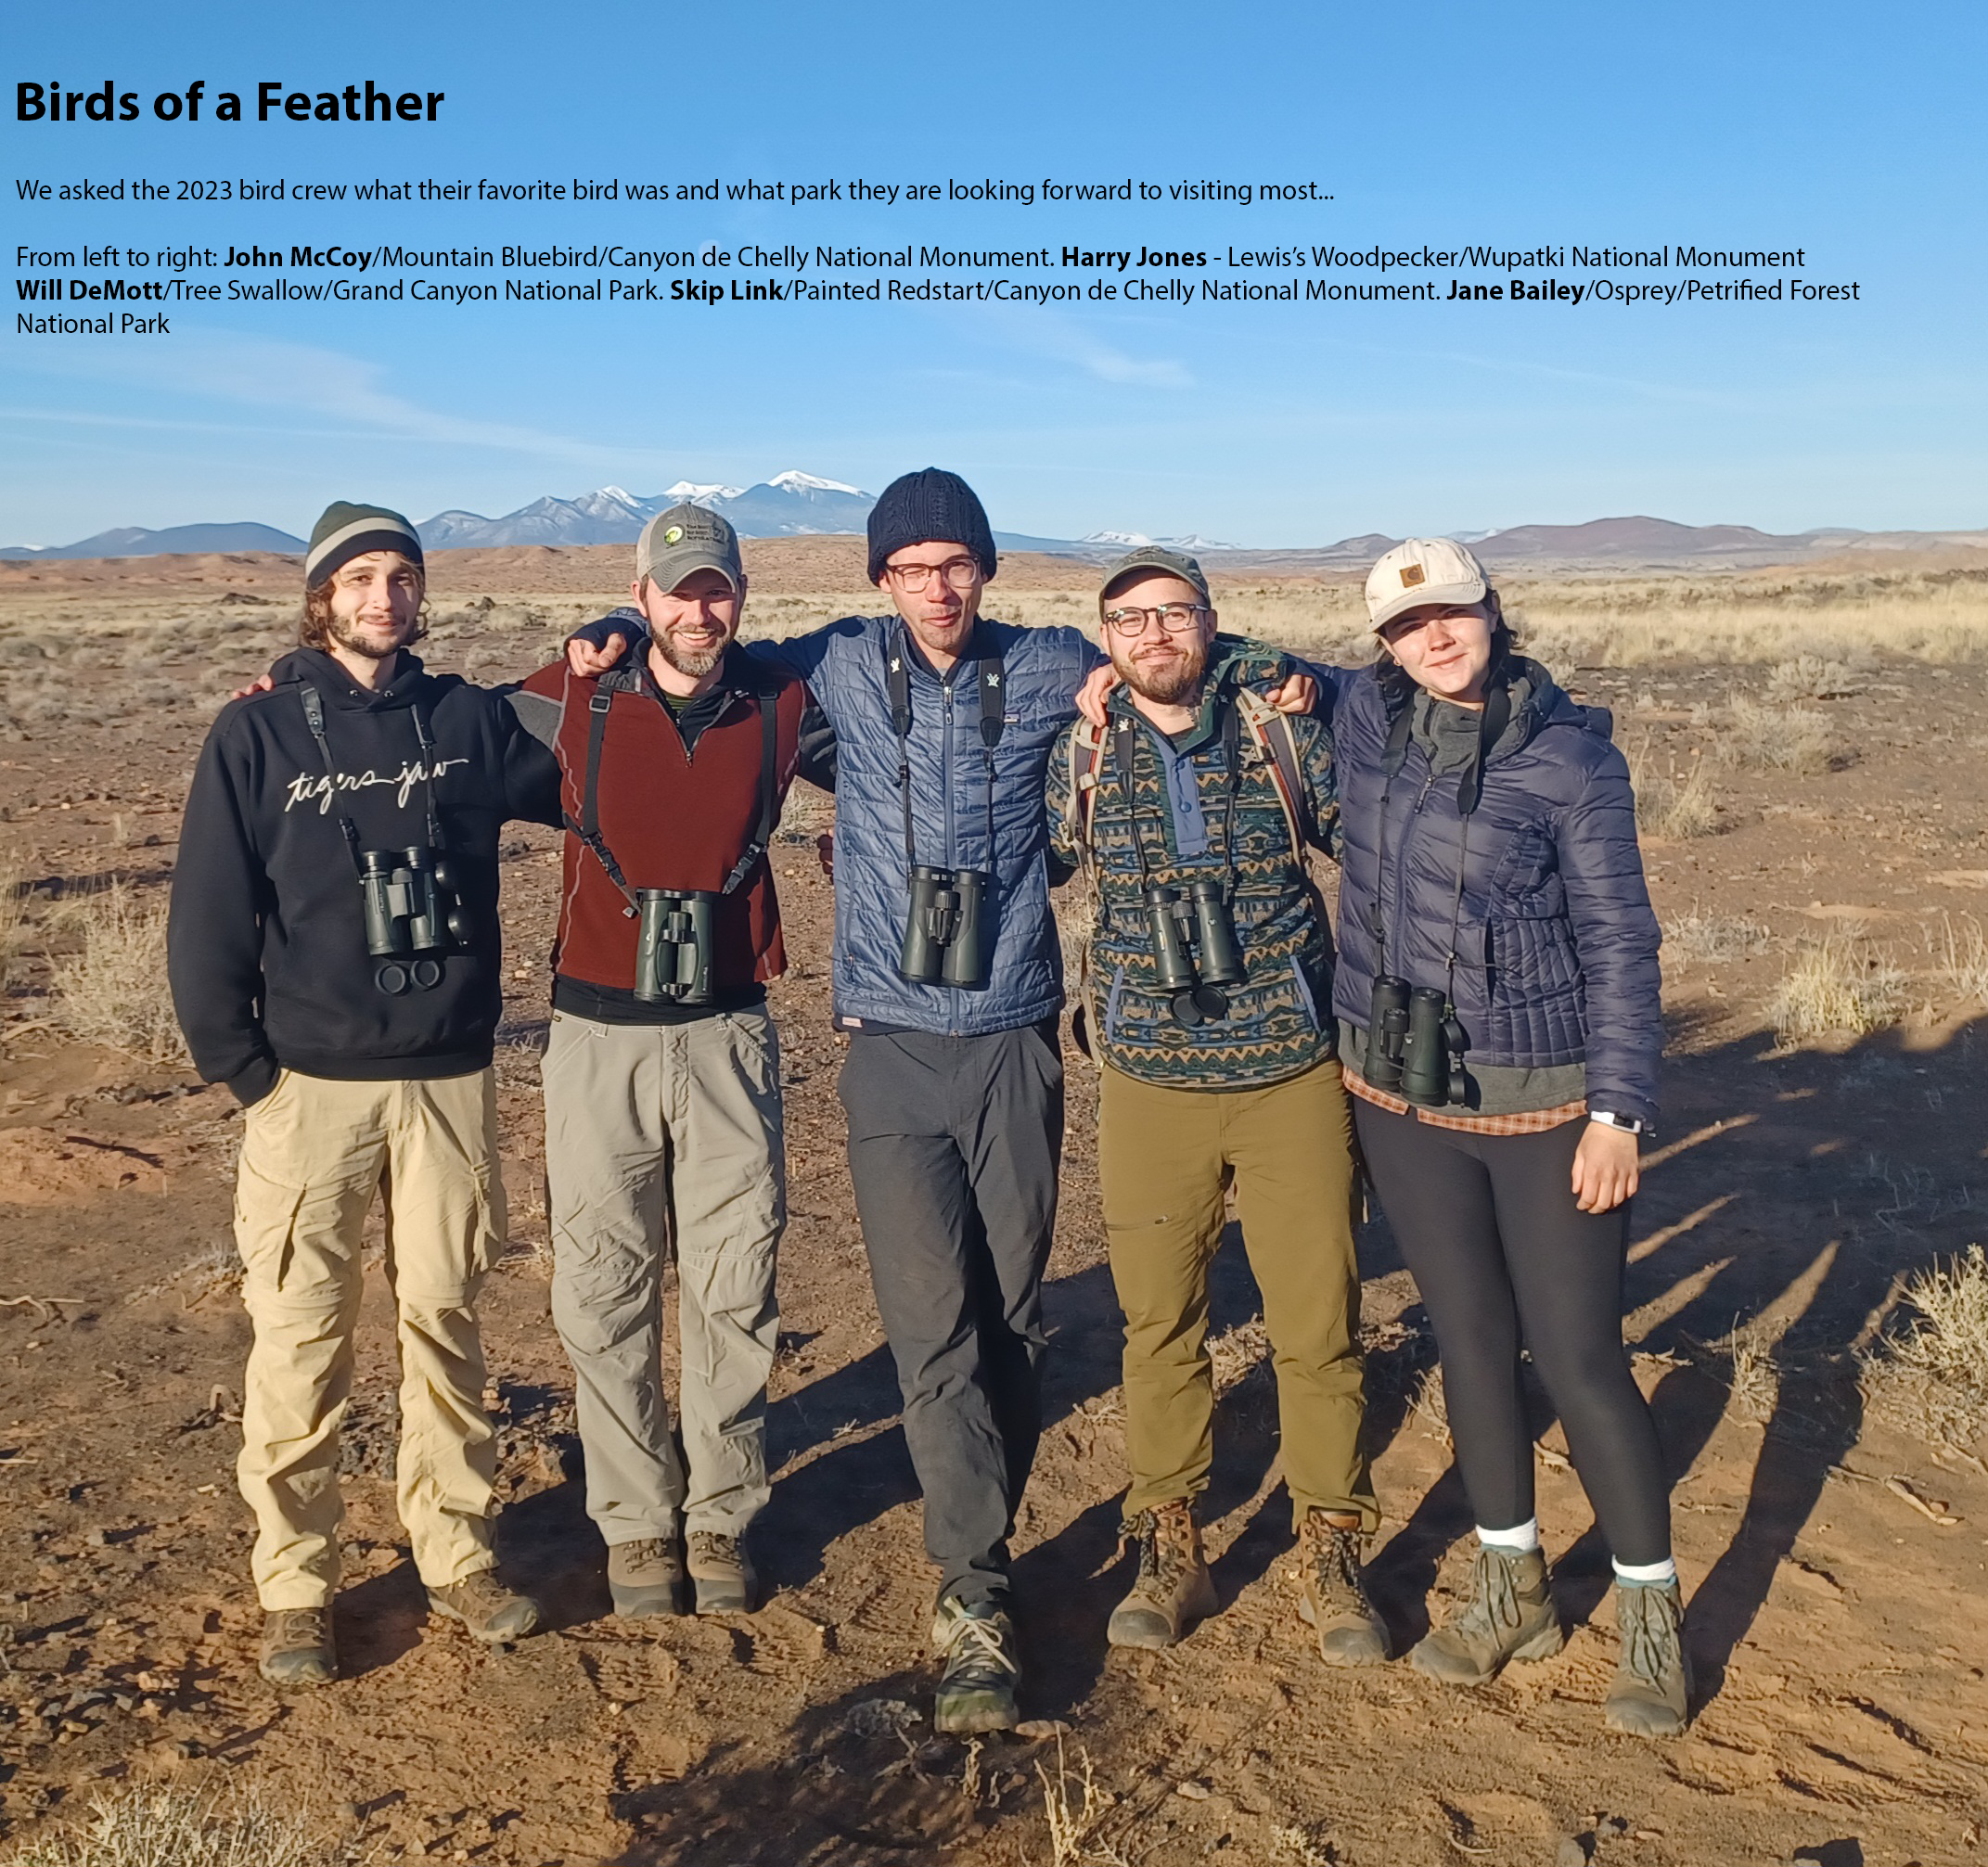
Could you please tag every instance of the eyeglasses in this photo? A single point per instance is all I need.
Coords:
(1176, 618)
(962, 573)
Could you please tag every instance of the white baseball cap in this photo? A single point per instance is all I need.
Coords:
(1423, 573)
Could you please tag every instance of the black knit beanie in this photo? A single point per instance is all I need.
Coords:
(919, 508)
(347, 531)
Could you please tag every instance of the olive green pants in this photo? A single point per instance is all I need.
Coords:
(1165, 1160)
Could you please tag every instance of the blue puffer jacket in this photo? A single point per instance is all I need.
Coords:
(844, 664)
(1557, 948)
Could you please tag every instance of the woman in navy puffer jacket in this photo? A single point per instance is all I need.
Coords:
(1490, 862)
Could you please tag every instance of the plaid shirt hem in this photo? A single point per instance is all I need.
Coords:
(1527, 1121)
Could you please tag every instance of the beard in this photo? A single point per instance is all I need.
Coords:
(696, 663)
(344, 632)
(1167, 683)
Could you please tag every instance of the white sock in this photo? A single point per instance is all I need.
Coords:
(1645, 1575)
(1524, 1537)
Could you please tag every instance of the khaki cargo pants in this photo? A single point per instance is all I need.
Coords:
(1165, 1158)
(655, 1135)
(314, 1152)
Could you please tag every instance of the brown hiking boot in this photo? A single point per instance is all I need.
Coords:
(723, 1573)
(1334, 1603)
(646, 1578)
(1651, 1693)
(491, 1612)
(1509, 1615)
(1174, 1587)
(297, 1647)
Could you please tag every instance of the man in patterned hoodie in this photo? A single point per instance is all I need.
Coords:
(1208, 997)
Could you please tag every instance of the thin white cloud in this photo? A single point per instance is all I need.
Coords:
(270, 374)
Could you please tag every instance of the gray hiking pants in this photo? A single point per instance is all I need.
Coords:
(954, 1143)
(655, 1134)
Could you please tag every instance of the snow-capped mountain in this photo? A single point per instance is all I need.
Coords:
(1137, 541)
(787, 505)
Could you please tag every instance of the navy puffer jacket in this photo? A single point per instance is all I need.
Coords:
(1557, 943)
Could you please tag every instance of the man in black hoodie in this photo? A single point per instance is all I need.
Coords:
(334, 956)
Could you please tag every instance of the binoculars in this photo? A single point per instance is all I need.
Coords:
(1195, 949)
(1415, 1046)
(412, 913)
(673, 950)
(946, 935)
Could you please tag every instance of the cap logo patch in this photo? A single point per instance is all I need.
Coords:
(1413, 574)
(674, 535)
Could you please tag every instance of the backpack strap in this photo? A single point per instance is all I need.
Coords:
(1079, 808)
(1275, 740)
(769, 706)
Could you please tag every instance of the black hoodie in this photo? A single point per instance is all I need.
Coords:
(267, 945)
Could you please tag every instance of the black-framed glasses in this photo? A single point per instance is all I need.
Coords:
(962, 573)
(1176, 618)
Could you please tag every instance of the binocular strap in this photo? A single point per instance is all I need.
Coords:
(587, 829)
(314, 717)
(993, 686)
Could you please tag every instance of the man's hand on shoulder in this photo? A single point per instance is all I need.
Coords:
(1296, 694)
(1095, 692)
(588, 661)
(262, 683)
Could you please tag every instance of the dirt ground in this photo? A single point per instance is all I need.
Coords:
(1834, 1564)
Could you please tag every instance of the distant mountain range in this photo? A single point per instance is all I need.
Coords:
(791, 505)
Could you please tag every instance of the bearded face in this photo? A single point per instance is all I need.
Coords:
(1158, 630)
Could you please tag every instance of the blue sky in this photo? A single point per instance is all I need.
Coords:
(1850, 131)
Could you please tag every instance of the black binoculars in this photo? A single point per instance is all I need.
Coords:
(1195, 949)
(673, 950)
(945, 933)
(1415, 1046)
(412, 911)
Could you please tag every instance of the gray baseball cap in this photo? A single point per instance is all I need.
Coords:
(684, 539)
(1155, 558)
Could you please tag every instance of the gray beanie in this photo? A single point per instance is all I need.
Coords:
(347, 531)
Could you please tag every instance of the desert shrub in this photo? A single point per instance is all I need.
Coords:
(13, 922)
(1838, 986)
(1762, 737)
(1812, 677)
(168, 1827)
(1698, 935)
(112, 989)
(1753, 1382)
(1929, 1371)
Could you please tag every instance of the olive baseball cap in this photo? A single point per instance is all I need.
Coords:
(1424, 573)
(1154, 557)
(684, 539)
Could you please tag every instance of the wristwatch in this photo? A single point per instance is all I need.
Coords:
(1629, 1124)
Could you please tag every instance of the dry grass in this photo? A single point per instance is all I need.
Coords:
(1430, 1405)
(1930, 1372)
(1754, 1384)
(1961, 957)
(1670, 806)
(1074, 1806)
(1713, 938)
(180, 1828)
(15, 925)
(1840, 986)
(112, 989)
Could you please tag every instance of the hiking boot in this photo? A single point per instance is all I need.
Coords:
(1174, 1586)
(493, 1613)
(1651, 1693)
(298, 1648)
(977, 1688)
(1334, 1602)
(723, 1573)
(1509, 1615)
(646, 1578)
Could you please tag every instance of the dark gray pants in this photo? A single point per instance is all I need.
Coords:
(954, 1143)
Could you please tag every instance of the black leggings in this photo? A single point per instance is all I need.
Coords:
(1489, 1227)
